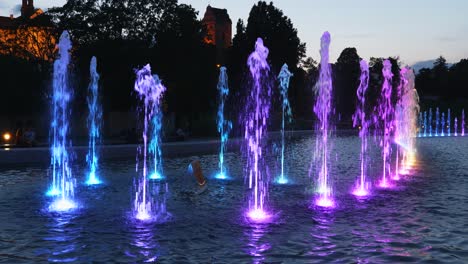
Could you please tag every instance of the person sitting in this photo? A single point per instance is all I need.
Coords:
(19, 133)
(29, 136)
(196, 170)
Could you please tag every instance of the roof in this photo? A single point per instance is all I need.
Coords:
(218, 14)
(38, 18)
(7, 22)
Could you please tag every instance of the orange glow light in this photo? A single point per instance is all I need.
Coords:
(7, 136)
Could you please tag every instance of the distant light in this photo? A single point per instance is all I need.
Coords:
(218, 65)
(7, 136)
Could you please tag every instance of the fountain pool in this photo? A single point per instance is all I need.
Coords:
(422, 219)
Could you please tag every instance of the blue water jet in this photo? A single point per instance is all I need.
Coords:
(155, 143)
(63, 182)
(430, 122)
(284, 78)
(425, 124)
(94, 125)
(437, 122)
(448, 122)
(442, 127)
(224, 126)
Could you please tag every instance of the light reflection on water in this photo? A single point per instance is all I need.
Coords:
(257, 245)
(424, 219)
(63, 237)
(143, 243)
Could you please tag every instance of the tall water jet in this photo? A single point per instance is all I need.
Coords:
(359, 119)
(150, 91)
(63, 182)
(155, 144)
(284, 78)
(323, 109)
(448, 122)
(385, 117)
(406, 113)
(421, 125)
(437, 122)
(455, 127)
(224, 126)
(94, 125)
(257, 109)
(463, 123)
(425, 124)
(430, 122)
(442, 127)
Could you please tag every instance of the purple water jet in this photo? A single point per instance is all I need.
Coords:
(323, 109)
(463, 123)
(385, 115)
(359, 119)
(149, 205)
(257, 109)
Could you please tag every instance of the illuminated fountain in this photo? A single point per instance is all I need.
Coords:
(448, 123)
(437, 122)
(147, 205)
(406, 114)
(430, 122)
(323, 109)
(284, 78)
(94, 125)
(385, 119)
(359, 119)
(442, 126)
(224, 126)
(425, 124)
(155, 144)
(63, 182)
(455, 127)
(463, 123)
(421, 124)
(257, 110)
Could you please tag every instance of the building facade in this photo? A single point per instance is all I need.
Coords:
(218, 31)
(29, 36)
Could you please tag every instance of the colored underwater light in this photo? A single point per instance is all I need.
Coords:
(282, 180)
(221, 176)
(93, 179)
(258, 216)
(385, 183)
(62, 205)
(156, 176)
(53, 192)
(325, 201)
(360, 192)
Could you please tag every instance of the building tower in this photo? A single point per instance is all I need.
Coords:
(219, 31)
